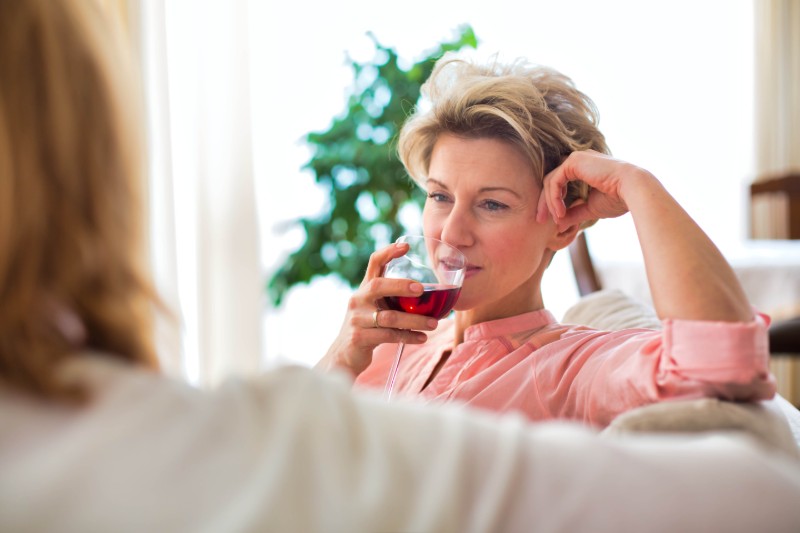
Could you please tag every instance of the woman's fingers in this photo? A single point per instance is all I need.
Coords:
(388, 319)
(542, 210)
(368, 300)
(378, 288)
(377, 336)
(379, 258)
(551, 199)
(577, 215)
(392, 326)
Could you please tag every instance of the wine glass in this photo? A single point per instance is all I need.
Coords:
(440, 268)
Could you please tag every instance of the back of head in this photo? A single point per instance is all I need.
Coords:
(535, 108)
(72, 273)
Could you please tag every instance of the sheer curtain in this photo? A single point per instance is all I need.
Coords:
(777, 125)
(777, 85)
(777, 64)
(204, 232)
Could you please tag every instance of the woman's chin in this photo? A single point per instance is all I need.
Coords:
(464, 304)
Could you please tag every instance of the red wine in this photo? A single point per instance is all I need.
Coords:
(435, 301)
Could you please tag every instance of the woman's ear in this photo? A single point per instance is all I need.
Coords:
(562, 238)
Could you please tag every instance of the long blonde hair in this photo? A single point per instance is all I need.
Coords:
(535, 108)
(72, 254)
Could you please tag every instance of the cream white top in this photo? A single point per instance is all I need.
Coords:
(295, 451)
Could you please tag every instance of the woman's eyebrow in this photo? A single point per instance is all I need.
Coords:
(435, 182)
(506, 189)
(482, 189)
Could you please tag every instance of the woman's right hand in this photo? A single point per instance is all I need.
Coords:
(360, 335)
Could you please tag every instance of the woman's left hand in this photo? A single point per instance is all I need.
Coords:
(606, 177)
(689, 278)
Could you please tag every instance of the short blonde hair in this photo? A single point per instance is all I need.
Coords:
(72, 250)
(535, 108)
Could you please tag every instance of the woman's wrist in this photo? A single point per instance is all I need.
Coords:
(639, 184)
(333, 362)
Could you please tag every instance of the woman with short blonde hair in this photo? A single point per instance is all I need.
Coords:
(514, 165)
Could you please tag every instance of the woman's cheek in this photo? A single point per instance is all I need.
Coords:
(430, 224)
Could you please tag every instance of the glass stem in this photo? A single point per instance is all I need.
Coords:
(387, 392)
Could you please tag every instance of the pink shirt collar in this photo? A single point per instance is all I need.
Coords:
(504, 327)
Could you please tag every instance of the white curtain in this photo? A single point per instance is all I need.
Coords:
(777, 71)
(204, 232)
(777, 85)
(777, 120)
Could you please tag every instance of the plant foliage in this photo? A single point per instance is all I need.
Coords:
(356, 163)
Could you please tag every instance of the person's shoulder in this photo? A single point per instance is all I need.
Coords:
(110, 378)
(286, 380)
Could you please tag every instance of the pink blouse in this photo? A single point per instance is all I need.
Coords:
(531, 364)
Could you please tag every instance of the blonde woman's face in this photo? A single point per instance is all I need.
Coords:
(482, 198)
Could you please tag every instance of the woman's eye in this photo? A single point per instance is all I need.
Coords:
(493, 205)
(437, 197)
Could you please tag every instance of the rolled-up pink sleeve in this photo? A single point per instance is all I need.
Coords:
(606, 373)
(731, 358)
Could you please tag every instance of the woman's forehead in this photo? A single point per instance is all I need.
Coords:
(479, 162)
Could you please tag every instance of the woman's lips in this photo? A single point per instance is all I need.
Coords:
(471, 271)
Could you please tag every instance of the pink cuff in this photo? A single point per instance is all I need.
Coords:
(736, 352)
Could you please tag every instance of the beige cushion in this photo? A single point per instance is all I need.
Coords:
(611, 310)
(762, 421)
(766, 422)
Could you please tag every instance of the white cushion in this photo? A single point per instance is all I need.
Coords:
(611, 310)
(762, 421)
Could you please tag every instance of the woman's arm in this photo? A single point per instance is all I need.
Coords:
(688, 276)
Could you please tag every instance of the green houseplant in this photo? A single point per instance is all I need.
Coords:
(354, 160)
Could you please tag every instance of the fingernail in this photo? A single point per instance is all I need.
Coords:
(415, 287)
(432, 323)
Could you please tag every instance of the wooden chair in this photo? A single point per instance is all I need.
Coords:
(784, 334)
(582, 266)
(783, 222)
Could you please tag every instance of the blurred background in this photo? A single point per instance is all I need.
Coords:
(233, 89)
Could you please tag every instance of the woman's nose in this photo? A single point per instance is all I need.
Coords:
(457, 229)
